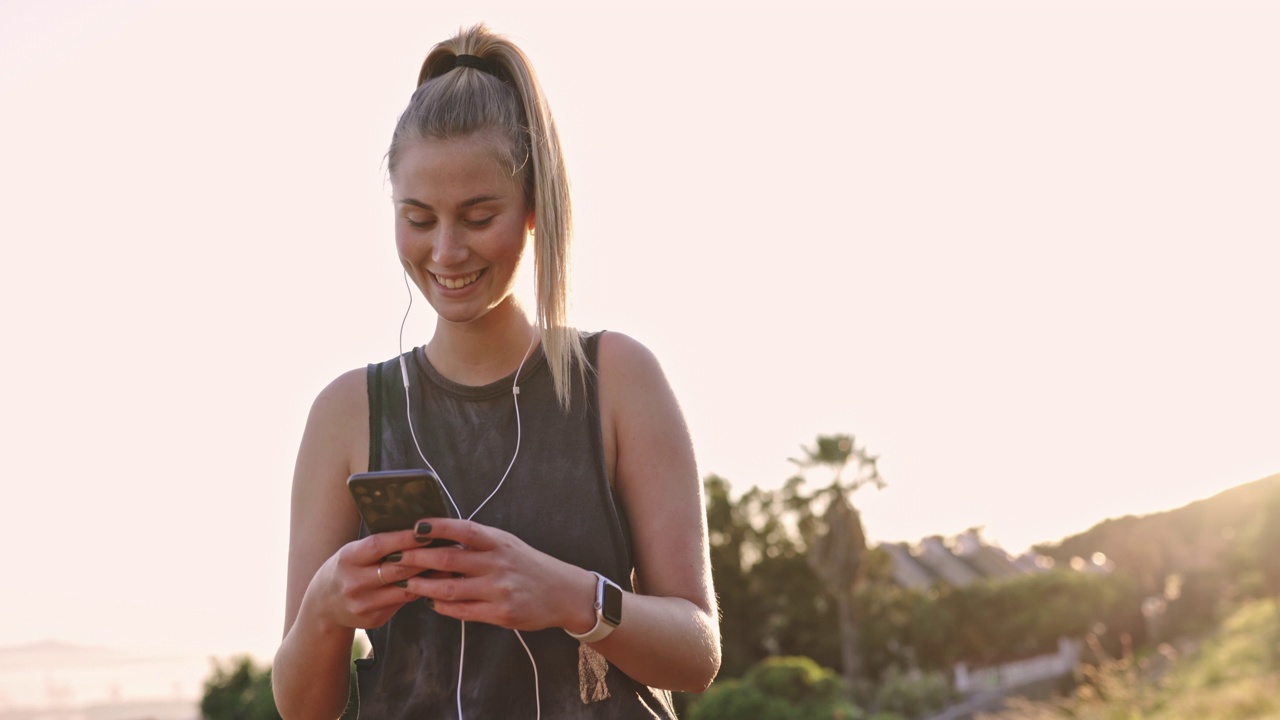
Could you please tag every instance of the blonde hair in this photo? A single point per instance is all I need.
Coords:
(505, 100)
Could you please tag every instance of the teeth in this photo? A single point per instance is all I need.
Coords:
(455, 283)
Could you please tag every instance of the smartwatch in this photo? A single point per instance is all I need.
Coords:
(608, 611)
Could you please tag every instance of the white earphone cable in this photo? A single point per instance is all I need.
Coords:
(515, 399)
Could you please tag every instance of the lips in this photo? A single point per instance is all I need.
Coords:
(457, 283)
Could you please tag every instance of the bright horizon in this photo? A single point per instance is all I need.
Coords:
(1027, 254)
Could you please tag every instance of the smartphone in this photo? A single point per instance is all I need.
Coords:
(397, 499)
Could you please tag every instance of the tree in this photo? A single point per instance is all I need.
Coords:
(771, 602)
(837, 546)
(238, 690)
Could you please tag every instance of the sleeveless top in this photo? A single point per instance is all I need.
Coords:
(557, 499)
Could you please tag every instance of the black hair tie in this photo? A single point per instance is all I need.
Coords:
(472, 61)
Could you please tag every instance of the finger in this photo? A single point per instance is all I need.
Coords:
(451, 589)
(449, 560)
(469, 611)
(464, 532)
(397, 573)
(485, 612)
(373, 548)
(381, 603)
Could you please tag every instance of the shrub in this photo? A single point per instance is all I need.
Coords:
(239, 690)
(779, 688)
(914, 695)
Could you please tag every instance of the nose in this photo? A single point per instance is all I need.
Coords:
(448, 247)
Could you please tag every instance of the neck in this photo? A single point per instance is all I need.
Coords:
(485, 349)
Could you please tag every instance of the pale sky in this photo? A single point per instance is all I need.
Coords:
(1027, 252)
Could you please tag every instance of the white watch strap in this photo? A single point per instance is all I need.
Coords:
(601, 629)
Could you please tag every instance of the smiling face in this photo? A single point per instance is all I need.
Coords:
(461, 224)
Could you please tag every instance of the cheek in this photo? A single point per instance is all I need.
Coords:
(401, 240)
(411, 252)
(409, 248)
(520, 247)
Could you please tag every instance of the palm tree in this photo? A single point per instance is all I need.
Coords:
(837, 545)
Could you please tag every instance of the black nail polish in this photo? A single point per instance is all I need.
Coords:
(423, 528)
(401, 584)
(393, 557)
(430, 603)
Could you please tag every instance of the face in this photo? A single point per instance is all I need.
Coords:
(461, 225)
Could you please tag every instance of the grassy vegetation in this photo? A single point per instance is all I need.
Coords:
(1232, 674)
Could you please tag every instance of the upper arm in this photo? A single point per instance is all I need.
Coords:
(655, 473)
(323, 518)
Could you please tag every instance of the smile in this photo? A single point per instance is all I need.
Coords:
(456, 283)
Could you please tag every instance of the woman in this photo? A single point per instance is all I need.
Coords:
(565, 454)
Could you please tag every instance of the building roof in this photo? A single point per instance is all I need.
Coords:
(958, 561)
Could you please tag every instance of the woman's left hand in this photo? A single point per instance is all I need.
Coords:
(493, 577)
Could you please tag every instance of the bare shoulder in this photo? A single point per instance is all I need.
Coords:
(347, 393)
(336, 440)
(624, 360)
(641, 417)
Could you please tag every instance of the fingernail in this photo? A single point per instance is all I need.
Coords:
(430, 603)
(393, 557)
(422, 528)
(401, 584)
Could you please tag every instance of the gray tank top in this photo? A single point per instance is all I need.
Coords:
(557, 499)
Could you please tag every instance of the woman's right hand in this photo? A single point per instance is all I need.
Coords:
(361, 585)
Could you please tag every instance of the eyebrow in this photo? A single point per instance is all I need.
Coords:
(464, 204)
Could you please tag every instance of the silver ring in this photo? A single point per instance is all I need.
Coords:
(384, 582)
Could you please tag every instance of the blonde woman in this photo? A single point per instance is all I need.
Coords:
(580, 584)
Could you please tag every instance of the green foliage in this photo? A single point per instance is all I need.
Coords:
(989, 622)
(779, 688)
(238, 690)
(732, 699)
(795, 679)
(914, 695)
(771, 603)
(1228, 677)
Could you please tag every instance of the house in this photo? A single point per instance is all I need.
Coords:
(958, 561)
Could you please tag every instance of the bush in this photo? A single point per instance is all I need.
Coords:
(914, 695)
(780, 688)
(240, 690)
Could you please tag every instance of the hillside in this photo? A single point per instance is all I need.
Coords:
(1203, 536)
(1231, 674)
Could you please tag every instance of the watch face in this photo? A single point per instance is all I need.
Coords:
(612, 610)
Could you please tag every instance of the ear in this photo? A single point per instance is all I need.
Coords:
(530, 221)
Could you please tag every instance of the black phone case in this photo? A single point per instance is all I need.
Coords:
(397, 499)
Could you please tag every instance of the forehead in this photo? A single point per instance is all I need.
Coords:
(436, 170)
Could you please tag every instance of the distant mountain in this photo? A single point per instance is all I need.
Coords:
(1203, 536)
(146, 709)
(55, 654)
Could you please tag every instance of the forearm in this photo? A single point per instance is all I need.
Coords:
(663, 642)
(311, 674)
